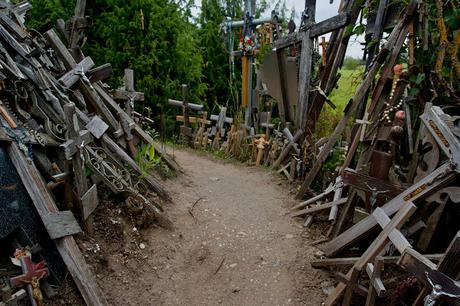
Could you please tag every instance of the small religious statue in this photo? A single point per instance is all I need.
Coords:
(432, 298)
(374, 194)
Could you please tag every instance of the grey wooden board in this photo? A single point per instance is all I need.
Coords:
(272, 79)
(89, 201)
(61, 224)
(97, 127)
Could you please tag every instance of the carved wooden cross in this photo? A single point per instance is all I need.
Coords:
(292, 145)
(77, 73)
(185, 129)
(306, 38)
(128, 94)
(261, 143)
(76, 141)
(32, 274)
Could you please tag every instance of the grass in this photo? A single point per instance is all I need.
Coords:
(340, 96)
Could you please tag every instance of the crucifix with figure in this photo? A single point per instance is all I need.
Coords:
(128, 94)
(247, 52)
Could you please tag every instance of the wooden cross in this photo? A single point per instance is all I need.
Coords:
(201, 135)
(292, 145)
(374, 187)
(128, 94)
(76, 141)
(77, 73)
(248, 24)
(306, 38)
(376, 287)
(185, 129)
(29, 270)
(265, 119)
(77, 24)
(261, 143)
(84, 83)
(363, 123)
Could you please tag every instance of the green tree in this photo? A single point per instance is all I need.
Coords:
(156, 40)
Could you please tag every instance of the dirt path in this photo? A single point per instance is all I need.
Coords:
(236, 247)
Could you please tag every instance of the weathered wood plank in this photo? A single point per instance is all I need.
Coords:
(97, 127)
(348, 261)
(316, 208)
(89, 202)
(61, 224)
(374, 249)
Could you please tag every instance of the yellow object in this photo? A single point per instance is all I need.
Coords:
(245, 82)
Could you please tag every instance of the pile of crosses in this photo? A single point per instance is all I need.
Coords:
(58, 123)
(393, 199)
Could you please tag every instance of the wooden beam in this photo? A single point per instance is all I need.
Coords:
(316, 208)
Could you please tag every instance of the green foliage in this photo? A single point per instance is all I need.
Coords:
(340, 96)
(46, 12)
(146, 159)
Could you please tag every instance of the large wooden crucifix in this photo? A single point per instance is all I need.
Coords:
(247, 52)
(308, 33)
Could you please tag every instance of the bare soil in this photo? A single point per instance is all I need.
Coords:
(233, 244)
